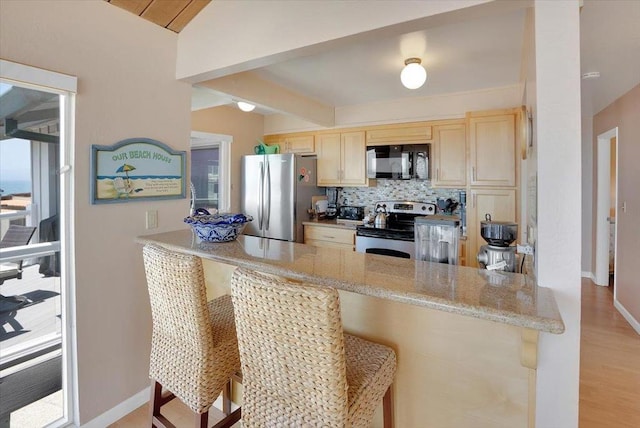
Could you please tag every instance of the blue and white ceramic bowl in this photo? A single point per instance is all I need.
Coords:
(217, 227)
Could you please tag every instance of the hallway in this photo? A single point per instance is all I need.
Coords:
(609, 363)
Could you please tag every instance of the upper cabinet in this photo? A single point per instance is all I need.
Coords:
(449, 157)
(293, 143)
(341, 159)
(492, 137)
(400, 134)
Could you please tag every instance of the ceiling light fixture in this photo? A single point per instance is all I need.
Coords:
(245, 106)
(413, 75)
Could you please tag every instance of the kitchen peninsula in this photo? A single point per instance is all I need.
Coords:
(466, 339)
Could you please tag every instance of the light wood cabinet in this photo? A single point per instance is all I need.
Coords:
(492, 150)
(341, 159)
(462, 253)
(399, 134)
(449, 156)
(332, 237)
(299, 144)
(500, 203)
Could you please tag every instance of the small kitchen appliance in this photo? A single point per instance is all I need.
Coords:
(462, 197)
(397, 237)
(332, 197)
(346, 212)
(436, 238)
(398, 161)
(498, 254)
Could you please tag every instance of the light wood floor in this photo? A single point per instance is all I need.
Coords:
(609, 363)
(609, 370)
(179, 414)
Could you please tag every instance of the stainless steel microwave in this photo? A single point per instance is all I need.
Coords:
(398, 161)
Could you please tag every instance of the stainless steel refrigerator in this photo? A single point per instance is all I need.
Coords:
(277, 191)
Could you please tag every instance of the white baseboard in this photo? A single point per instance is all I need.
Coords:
(118, 412)
(630, 319)
(121, 410)
(589, 275)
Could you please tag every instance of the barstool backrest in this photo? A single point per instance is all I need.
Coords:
(182, 339)
(292, 352)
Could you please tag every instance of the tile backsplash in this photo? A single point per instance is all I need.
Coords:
(389, 190)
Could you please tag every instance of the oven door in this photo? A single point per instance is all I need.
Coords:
(387, 247)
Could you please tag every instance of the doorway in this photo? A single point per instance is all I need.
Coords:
(606, 209)
(210, 171)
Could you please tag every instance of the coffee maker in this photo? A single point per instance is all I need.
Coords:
(498, 254)
(332, 198)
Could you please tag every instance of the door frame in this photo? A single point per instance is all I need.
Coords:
(603, 206)
(66, 87)
(201, 140)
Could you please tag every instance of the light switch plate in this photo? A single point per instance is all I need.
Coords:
(152, 219)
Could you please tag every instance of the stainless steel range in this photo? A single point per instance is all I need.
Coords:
(396, 238)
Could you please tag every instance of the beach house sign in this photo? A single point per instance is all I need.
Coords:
(137, 169)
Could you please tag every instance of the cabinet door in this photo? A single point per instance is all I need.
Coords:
(450, 157)
(299, 144)
(493, 150)
(353, 159)
(500, 203)
(329, 159)
(399, 135)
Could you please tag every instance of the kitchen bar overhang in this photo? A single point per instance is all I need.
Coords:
(466, 338)
(502, 297)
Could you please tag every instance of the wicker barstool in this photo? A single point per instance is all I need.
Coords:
(194, 350)
(298, 367)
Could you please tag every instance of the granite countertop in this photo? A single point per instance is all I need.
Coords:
(507, 298)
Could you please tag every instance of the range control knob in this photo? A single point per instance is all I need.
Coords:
(428, 208)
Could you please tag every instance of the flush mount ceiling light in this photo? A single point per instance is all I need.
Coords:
(245, 106)
(413, 75)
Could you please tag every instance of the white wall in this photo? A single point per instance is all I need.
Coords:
(265, 32)
(557, 41)
(449, 106)
(126, 88)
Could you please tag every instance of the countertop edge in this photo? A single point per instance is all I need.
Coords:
(547, 325)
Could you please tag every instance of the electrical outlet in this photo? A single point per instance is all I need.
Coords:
(152, 219)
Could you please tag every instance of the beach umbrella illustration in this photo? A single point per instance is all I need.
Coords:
(126, 168)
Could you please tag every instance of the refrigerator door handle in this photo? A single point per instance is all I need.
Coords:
(261, 196)
(268, 198)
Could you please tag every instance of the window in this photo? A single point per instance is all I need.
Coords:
(210, 160)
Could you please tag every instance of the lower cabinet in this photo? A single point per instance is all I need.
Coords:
(499, 203)
(332, 237)
(462, 253)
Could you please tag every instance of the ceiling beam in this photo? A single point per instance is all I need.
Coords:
(248, 87)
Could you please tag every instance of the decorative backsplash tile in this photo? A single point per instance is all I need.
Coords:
(388, 190)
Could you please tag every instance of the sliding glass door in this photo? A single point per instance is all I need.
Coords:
(35, 298)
